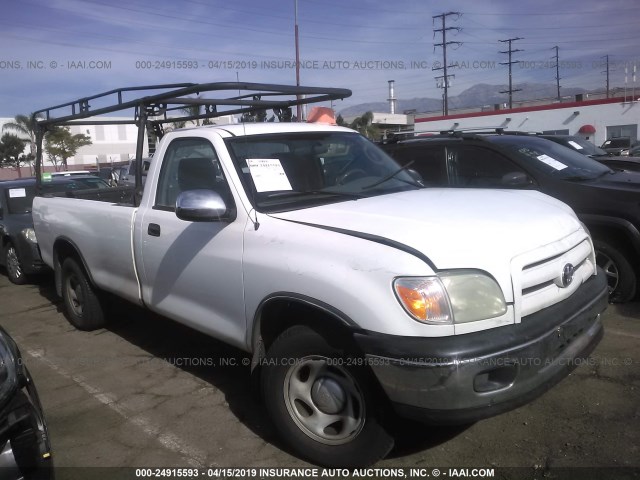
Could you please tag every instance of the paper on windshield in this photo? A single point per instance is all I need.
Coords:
(17, 193)
(575, 145)
(268, 174)
(552, 162)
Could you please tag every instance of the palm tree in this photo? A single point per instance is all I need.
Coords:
(25, 128)
(364, 125)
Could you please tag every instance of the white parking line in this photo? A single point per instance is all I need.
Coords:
(170, 441)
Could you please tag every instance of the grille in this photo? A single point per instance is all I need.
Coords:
(539, 283)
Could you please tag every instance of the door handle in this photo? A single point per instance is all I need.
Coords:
(153, 230)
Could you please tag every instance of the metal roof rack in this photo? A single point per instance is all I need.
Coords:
(151, 110)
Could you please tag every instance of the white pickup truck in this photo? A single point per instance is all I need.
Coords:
(359, 293)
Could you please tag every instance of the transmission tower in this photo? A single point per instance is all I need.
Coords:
(445, 66)
(510, 62)
(557, 70)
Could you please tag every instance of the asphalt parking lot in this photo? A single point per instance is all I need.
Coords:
(147, 392)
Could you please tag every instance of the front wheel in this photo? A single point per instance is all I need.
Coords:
(621, 276)
(323, 406)
(14, 267)
(82, 304)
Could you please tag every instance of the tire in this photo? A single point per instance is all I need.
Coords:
(82, 304)
(324, 409)
(621, 276)
(14, 266)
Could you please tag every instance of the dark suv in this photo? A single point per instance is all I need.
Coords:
(607, 201)
(585, 147)
(19, 252)
(618, 145)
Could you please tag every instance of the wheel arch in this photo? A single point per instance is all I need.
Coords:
(64, 248)
(282, 310)
(614, 229)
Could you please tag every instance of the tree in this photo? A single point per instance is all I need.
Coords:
(61, 144)
(340, 121)
(24, 127)
(12, 151)
(364, 125)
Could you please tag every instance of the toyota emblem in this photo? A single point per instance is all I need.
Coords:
(567, 275)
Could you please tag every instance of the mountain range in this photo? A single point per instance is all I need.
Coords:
(475, 96)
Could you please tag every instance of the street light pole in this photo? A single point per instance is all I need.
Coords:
(299, 107)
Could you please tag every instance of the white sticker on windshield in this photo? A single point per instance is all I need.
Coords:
(552, 162)
(268, 174)
(17, 193)
(575, 145)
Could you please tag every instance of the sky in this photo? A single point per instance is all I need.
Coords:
(53, 51)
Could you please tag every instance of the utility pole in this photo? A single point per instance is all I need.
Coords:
(557, 71)
(606, 57)
(509, 63)
(299, 109)
(445, 78)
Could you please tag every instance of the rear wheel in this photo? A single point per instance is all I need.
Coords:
(14, 268)
(621, 277)
(323, 406)
(82, 303)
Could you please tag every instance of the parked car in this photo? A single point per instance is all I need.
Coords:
(607, 201)
(20, 255)
(69, 173)
(617, 146)
(25, 448)
(585, 147)
(128, 174)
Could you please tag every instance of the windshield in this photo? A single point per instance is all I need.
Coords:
(552, 158)
(585, 147)
(287, 171)
(621, 142)
(19, 199)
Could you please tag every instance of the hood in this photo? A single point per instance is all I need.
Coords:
(454, 228)
(618, 180)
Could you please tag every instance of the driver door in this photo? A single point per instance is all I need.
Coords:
(192, 271)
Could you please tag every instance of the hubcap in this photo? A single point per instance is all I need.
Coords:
(324, 401)
(610, 268)
(13, 264)
(74, 293)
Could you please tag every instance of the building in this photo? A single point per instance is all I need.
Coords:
(112, 145)
(595, 119)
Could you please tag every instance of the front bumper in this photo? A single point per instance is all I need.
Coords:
(464, 378)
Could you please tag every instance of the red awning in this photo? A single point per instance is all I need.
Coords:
(587, 129)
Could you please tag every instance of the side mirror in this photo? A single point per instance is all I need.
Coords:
(202, 206)
(415, 176)
(516, 179)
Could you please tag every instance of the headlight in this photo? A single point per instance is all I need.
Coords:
(30, 234)
(451, 297)
(624, 153)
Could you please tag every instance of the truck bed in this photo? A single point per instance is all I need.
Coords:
(101, 231)
(118, 195)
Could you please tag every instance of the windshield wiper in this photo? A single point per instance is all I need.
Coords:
(415, 183)
(314, 192)
(577, 178)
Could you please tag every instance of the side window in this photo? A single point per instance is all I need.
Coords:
(190, 164)
(479, 167)
(428, 161)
